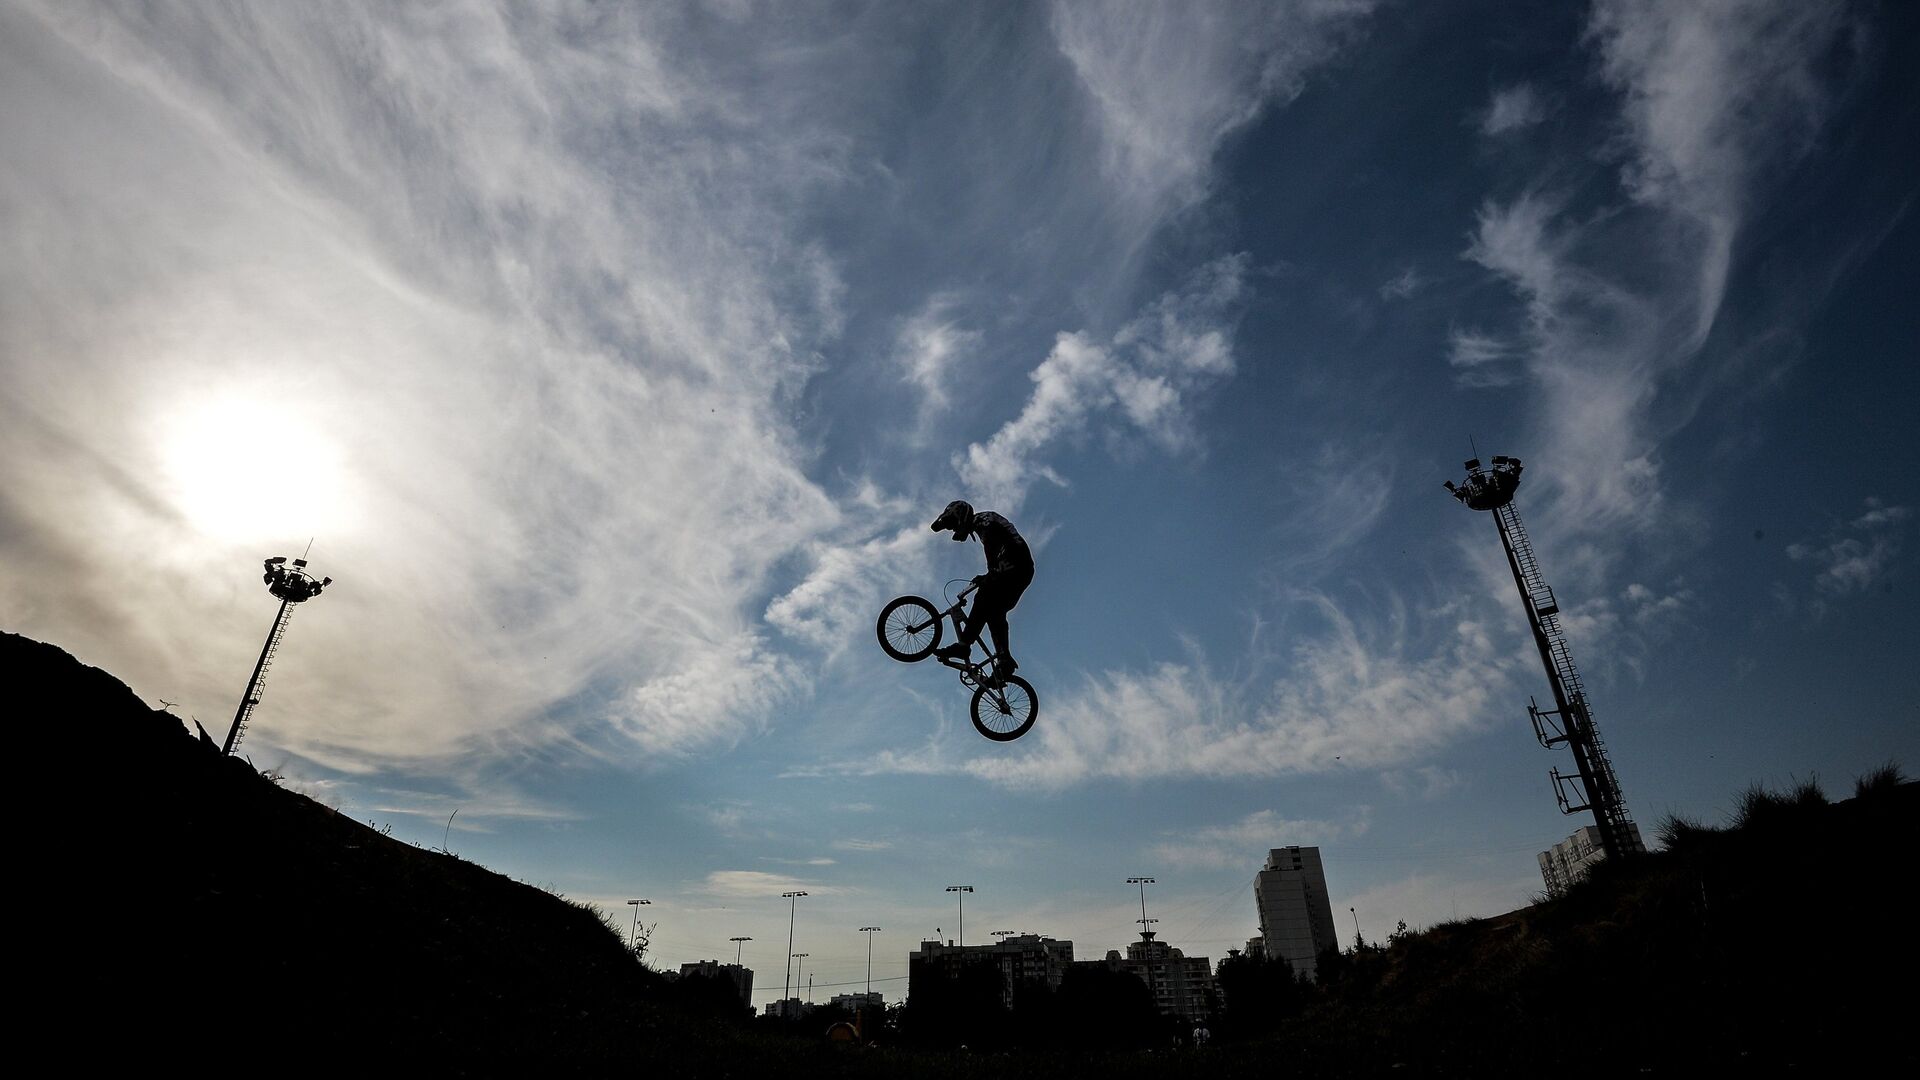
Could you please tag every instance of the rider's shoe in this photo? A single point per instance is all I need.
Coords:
(955, 651)
(1003, 668)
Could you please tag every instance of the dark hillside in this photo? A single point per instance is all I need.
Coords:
(233, 923)
(238, 918)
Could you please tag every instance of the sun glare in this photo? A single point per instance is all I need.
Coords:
(246, 470)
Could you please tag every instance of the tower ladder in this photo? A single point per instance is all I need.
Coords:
(259, 684)
(1602, 786)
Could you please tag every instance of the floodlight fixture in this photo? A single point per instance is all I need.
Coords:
(963, 890)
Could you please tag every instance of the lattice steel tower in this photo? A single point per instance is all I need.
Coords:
(1570, 722)
(293, 585)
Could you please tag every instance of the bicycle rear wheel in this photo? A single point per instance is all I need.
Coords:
(1005, 714)
(909, 628)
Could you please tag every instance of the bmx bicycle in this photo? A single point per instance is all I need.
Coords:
(910, 628)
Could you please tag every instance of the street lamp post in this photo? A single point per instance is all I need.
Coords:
(797, 957)
(869, 931)
(633, 934)
(736, 948)
(1146, 936)
(793, 900)
(963, 890)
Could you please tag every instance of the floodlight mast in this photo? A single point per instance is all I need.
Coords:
(292, 585)
(1569, 721)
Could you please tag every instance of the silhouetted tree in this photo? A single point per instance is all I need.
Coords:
(1256, 995)
(1097, 1006)
(966, 1009)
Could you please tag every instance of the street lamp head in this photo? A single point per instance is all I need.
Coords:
(868, 929)
(637, 902)
(1141, 881)
(788, 895)
(959, 888)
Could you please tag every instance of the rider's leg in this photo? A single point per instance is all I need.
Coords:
(997, 626)
(969, 622)
(1005, 596)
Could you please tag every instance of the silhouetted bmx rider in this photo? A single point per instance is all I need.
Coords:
(1009, 572)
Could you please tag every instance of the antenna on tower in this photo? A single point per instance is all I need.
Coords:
(1570, 721)
(292, 585)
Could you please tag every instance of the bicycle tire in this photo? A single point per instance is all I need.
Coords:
(1008, 713)
(894, 628)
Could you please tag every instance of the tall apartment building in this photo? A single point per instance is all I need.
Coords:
(1296, 916)
(1018, 958)
(1568, 861)
(740, 977)
(1181, 985)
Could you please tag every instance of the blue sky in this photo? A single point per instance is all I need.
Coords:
(617, 356)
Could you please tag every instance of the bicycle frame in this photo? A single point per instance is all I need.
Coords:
(973, 674)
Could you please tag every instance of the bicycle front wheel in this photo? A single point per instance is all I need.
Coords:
(909, 628)
(1006, 713)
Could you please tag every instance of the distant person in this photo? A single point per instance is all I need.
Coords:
(1009, 572)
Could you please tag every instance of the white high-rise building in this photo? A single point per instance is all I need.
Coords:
(1296, 916)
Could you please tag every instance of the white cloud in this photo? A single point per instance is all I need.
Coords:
(758, 885)
(1511, 109)
(1859, 555)
(843, 588)
(1147, 373)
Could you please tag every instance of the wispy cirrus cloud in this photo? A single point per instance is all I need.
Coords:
(1857, 555)
(1350, 698)
(1711, 100)
(1511, 108)
(929, 348)
(1169, 83)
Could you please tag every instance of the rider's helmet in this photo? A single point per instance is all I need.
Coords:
(958, 516)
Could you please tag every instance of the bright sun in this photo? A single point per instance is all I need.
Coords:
(255, 470)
